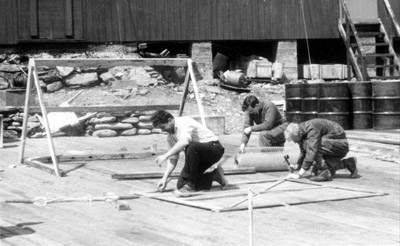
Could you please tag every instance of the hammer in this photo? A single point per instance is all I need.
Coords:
(286, 157)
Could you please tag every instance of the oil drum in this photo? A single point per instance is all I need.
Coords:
(386, 104)
(361, 100)
(236, 79)
(309, 103)
(334, 103)
(293, 102)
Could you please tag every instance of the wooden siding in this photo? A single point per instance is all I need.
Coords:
(395, 4)
(188, 20)
(8, 21)
(180, 20)
(50, 20)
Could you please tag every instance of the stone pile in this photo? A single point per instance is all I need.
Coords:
(127, 124)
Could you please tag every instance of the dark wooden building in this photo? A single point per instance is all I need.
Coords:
(98, 21)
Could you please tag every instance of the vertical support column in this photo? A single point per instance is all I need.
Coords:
(202, 56)
(287, 54)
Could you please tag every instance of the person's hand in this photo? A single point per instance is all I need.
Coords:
(242, 148)
(162, 184)
(247, 130)
(294, 166)
(160, 159)
(292, 176)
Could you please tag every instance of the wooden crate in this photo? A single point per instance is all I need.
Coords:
(332, 71)
(310, 71)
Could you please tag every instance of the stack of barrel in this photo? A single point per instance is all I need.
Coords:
(354, 105)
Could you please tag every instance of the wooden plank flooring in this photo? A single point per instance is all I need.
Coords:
(153, 222)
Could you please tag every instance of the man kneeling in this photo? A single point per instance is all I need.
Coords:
(324, 142)
(202, 150)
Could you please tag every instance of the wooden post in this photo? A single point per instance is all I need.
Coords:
(1, 131)
(185, 92)
(46, 121)
(250, 197)
(33, 72)
(26, 112)
(196, 92)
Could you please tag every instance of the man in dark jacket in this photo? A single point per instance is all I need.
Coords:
(263, 117)
(323, 142)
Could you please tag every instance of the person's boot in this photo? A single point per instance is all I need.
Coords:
(219, 177)
(325, 175)
(351, 164)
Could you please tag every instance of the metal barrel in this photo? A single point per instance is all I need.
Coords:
(334, 103)
(361, 99)
(293, 100)
(236, 79)
(309, 103)
(386, 104)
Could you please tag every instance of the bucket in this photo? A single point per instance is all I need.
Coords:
(361, 99)
(236, 79)
(385, 105)
(334, 103)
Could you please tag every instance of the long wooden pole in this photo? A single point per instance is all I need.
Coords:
(196, 92)
(250, 197)
(46, 121)
(185, 92)
(26, 112)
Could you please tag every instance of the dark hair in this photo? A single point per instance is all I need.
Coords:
(249, 101)
(160, 117)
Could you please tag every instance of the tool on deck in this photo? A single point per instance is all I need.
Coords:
(108, 197)
(291, 169)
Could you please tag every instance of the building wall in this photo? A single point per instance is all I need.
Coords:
(168, 20)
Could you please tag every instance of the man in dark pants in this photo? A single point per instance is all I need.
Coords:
(263, 117)
(324, 142)
(202, 150)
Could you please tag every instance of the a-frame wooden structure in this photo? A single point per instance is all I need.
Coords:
(33, 80)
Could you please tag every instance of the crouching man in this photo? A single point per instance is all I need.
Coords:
(202, 150)
(323, 142)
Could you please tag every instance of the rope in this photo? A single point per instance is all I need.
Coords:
(305, 29)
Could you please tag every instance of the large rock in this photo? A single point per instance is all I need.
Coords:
(114, 126)
(145, 125)
(65, 71)
(105, 133)
(130, 132)
(103, 120)
(131, 120)
(55, 86)
(83, 79)
(144, 132)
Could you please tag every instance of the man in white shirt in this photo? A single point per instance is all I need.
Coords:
(202, 150)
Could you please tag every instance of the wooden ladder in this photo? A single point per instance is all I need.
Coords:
(369, 48)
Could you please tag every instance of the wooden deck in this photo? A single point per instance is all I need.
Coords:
(359, 221)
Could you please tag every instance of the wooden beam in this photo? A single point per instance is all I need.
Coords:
(86, 109)
(95, 157)
(112, 62)
(44, 167)
(156, 174)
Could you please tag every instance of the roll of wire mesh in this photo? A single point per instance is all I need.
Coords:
(266, 159)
